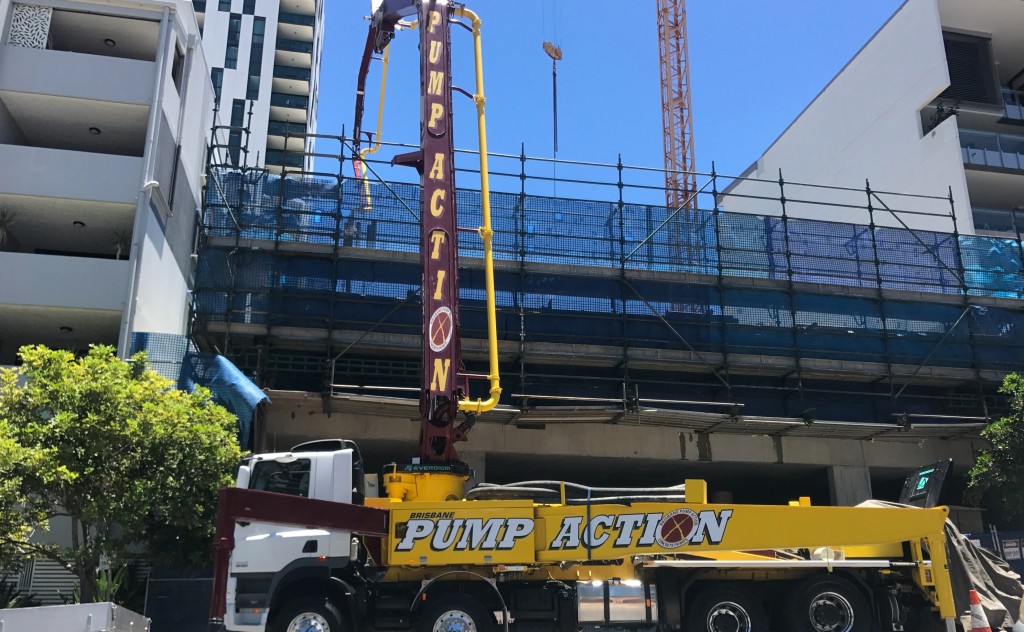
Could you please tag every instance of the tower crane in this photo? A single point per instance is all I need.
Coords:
(676, 106)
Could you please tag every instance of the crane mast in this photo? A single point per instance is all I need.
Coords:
(676, 107)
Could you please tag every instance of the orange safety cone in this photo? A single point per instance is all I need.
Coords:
(979, 622)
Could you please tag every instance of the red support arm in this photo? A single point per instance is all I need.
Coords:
(237, 504)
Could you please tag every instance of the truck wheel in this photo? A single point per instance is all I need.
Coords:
(826, 603)
(455, 613)
(307, 615)
(726, 608)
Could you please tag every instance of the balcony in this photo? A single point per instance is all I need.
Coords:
(293, 52)
(34, 72)
(292, 80)
(295, 46)
(290, 72)
(993, 150)
(292, 101)
(277, 158)
(1013, 104)
(295, 26)
(288, 107)
(296, 19)
(89, 179)
(63, 282)
(998, 220)
(282, 128)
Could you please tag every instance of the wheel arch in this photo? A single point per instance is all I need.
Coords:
(304, 581)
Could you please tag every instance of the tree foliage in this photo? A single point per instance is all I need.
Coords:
(115, 449)
(999, 469)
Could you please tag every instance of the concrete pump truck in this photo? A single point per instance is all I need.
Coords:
(300, 548)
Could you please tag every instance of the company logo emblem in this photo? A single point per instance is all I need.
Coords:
(677, 528)
(441, 327)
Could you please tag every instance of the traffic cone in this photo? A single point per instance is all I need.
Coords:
(979, 622)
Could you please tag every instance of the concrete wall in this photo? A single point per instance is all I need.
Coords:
(866, 124)
(166, 216)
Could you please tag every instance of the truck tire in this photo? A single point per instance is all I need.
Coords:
(725, 608)
(455, 613)
(307, 615)
(826, 603)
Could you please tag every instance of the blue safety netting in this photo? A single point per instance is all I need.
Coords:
(177, 359)
(730, 291)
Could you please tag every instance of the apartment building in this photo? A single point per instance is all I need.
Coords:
(932, 104)
(265, 67)
(105, 109)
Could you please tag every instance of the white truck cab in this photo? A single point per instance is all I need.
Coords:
(271, 560)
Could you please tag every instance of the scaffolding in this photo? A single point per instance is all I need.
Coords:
(311, 281)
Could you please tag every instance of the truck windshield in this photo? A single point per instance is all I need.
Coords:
(282, 478)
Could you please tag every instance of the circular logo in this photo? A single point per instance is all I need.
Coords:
(440, 329)
(676, 528)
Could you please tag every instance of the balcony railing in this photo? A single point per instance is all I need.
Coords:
(999, 220)
(289, 101)
(989, 149)
(1013, 104)
(291, 72)
(295, 46)
(295, 18)
(284, 128)
(281, 158)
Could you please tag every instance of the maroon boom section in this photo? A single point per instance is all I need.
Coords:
(442, 350)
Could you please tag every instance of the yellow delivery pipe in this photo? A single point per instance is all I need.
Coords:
(380, 123)
(486, 234)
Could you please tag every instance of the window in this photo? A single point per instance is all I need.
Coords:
(217, 77)
(199, 6)
(971, 69)
(178, 67)
(225, 5)
(248, 7)
(235, 136)
(259, 26)
(281, 478)
(234, 34)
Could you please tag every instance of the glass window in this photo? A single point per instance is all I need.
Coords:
(234, 34)
(252, 90)
(282, 478)
(178, 67)
(217, 77)
(248, 7)
(225, 5)
(235, 136)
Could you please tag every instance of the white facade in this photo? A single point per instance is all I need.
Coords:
(881, 120)
(271, 78)
(105, 109)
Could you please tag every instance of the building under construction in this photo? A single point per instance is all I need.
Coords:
(612, 309)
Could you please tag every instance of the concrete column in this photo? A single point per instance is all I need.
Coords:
(478, 462)
(849, 485)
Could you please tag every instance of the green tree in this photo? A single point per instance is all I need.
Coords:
(999, 469)
(115, 448)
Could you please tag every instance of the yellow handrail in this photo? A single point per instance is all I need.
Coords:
(486, 234)
(380, 123)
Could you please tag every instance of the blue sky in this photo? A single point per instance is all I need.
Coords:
(754, 66)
